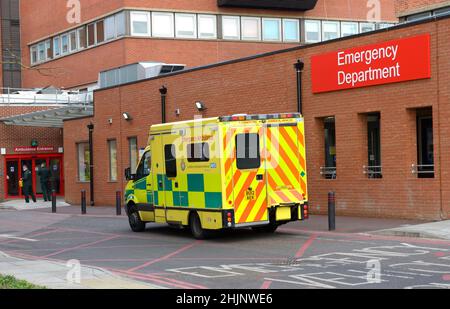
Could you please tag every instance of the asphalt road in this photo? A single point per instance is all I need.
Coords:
(294, 257)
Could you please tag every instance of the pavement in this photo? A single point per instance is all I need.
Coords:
(300, 255)
(21, 205)
(437, 230)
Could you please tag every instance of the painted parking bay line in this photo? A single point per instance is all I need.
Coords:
(6, 236)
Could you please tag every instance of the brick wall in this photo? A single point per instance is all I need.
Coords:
(268, 84)
(406, 7)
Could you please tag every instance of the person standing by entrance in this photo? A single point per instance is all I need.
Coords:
(44, 178)
(27, 179)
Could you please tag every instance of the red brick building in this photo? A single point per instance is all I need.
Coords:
(381, 148)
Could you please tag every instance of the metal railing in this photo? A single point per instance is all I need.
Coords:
(422, 169)
(328, 172)
(27, 96)
(373, 171)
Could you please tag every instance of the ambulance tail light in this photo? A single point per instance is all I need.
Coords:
(306, 211)
(228, 219)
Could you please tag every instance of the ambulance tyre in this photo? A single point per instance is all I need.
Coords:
(269, 229)
(135, 221)
(196, 226)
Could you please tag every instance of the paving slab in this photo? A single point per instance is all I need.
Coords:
(437, 230)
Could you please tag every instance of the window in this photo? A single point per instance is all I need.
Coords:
(145, 166)
(271, 29)
(291, 30)
(418, 16)
(231, 28)
(384, 25)
(186, 25)
(207, 27)
(162, 25)
(110, 28)
(82, 37)
(56, 46)
(112, 147)
(330, 30)
(443, 11)
(64, 44)
(119, 20)
(374, 169)
(171, 161)
(83, 162)
(329, 170)
(73, 41)
(100, 31)
(251, 28)
(425, 143)
(34, 54)
(247, 151)
(349, 28)
(41, 52)
(140, 23)
(366, 27)
(49, 49)
(312, 31)
(198, 152)
(134, 152)
(91, 35)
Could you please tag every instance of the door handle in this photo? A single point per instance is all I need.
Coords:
(176, 185)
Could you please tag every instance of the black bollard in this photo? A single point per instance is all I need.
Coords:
(83, 202)
(119, 203)
(331, 211)
(54, 201)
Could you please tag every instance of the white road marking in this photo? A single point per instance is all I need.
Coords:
(17, 238)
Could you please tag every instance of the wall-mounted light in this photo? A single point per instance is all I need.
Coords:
(127, 117)
(177, 112)
(200, 106)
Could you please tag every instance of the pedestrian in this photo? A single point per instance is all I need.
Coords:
(44, 178)
(27, 190)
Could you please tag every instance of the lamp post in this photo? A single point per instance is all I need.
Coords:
(299, 65)
(91, 161)
(163, 92)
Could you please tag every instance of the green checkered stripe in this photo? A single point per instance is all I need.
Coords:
(194, 190)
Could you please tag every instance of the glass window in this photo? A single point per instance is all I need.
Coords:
(91, 35)
(291, 30)
(312, 31)
(49, 49)
(330, 30)
(171, 161)
(134, 152)
(100, 31)
(248, 151)
(443, 11)
(198, 152)
(231, 28)
(366, 27)
(418, 16)
(207, 27)
(349, 28)
(82, 37)
(145, 166)
(56, 46)
(65, 44)
(384, 25)
(34, 54)
(112, 146)
(271, 29)
(374, 169)
(83, 162)
(329, 171)
(186, 25)
(73, 41)
(251, 28)
(162, 25)
(110, 28)
(140, 23)
(425, 143)
(119, 21)
(41, 52)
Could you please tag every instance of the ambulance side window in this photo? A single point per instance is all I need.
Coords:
(144, 166)
(171, 161)
(198, 152)
(248, 155)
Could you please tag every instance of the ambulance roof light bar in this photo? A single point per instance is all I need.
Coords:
(245, 117)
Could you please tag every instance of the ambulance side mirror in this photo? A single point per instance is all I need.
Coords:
(128, 175)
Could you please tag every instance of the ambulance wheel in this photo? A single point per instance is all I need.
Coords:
(269, 229)
(136, 224)
(196, 227)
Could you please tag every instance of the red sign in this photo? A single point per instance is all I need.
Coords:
(34, 149)
(389, 62)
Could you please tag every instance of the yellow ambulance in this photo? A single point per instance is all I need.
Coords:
(221, 173)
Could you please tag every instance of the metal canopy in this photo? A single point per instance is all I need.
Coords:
(52, 118)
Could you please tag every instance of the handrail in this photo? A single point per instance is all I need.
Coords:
(328, 172)
(373, 171)
(422, 169)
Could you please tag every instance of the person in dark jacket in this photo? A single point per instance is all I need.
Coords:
(27, 190)
(44, 178)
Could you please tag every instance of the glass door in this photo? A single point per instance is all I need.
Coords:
(37, 180)
(55, 174)
(12, 178)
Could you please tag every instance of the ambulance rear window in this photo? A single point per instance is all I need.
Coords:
(247, 151)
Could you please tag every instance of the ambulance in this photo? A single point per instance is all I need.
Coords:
(240, 171)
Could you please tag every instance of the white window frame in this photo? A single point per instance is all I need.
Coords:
(319, 33)
(201, 35)
(244, 19)
(238, 28)
(87, 34)
(280, 34)
(344, 23)
(56, 55)
(361, 25)
(171, 32)
(84, 29)
(34, 49)
(298, 29)
(331, 22)
(48, 42)
(41, 47)
(178, 17)
(76, 41)
(133, 15)
(68, 44)
(108, 19)
(123, 31)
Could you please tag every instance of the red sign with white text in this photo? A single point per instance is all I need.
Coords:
(34, 149)
(389, 62)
